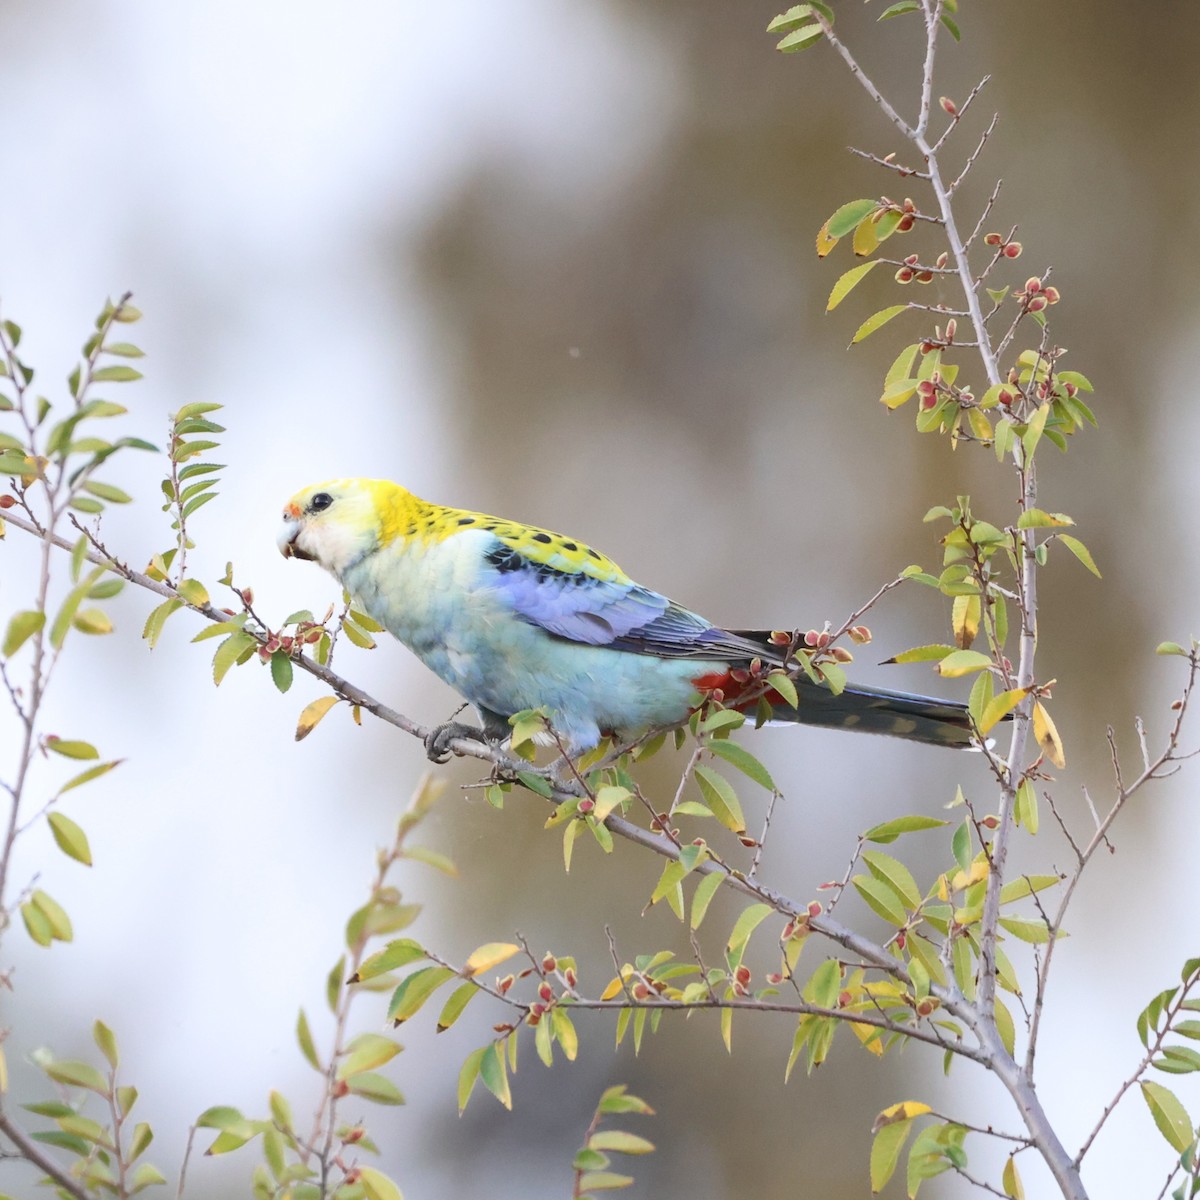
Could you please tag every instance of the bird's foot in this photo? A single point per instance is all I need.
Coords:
(437, 741)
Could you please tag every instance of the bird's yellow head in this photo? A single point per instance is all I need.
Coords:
(337, 522)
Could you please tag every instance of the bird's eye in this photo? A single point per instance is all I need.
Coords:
(321, 500)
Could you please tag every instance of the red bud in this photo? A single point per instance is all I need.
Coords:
(948, 105)
(1012, 250)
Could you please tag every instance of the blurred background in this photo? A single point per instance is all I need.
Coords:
(556, 261)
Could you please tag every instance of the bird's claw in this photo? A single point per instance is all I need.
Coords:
(437, 741)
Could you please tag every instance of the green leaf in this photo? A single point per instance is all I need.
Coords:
(377, 1186)
(745, 925)
(741, 758)
(1080, 551)
(71, 749)
(77, 1074)
(414, 990)
(366, 1052)
(21, 627)
(397, 953)
(603, 1181)
(468, 1074)
(800, 39)
(721, 798)
(305, 1039)
(153, 628)
(70, 839)
(116, 374)
(881, 899)
(619, 1142)
(847, 283)
(783, 683)
(375, 1087)
(895, 10)
(453, 1008)
(88, 775)
(706, 889)
(230, 652)
(281, 670)
(1169, 1115)
(885, 1151)
(494, 1072)
(848, 216)
(876, 321)
(431, 858)
(894, 873)
(1028, 929)
(889, 831)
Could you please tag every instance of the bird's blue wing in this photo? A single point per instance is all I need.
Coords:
(604, 608)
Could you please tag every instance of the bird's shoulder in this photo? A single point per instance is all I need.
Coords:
(510, 546)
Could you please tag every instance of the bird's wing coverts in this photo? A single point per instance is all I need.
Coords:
(597, 604)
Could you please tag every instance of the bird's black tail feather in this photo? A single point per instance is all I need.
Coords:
(878, 710)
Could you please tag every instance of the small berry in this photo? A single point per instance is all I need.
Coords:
(640, 991)
(993, 239)
(924, 276)
(949, 106)
(7, 501)
(779, 638)
(841, 654)
(810, 637)
(546, 992)
(586, 805)
(1036, 304)
(742, 974)
(860, 634)
(570, 976)
(774, 977)
(912, 260)
(905, 223)
(549, 962)
(1012, 250)
(905, 275)
(814, 908)
(1051, 294)
(1033, 284)
(502, 985)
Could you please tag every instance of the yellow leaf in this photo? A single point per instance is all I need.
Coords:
(850, 279)
(615, 988)
(906, 1110)
(312, 715)
(1047, 736)
(1000, 706)
(964, 879)
(966, 620)
(489, 955)
(825, 242)
(866, 238)
(962, 662)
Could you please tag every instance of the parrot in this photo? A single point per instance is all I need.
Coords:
(514, 617)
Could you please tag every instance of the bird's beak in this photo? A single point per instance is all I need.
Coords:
(286, 541)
